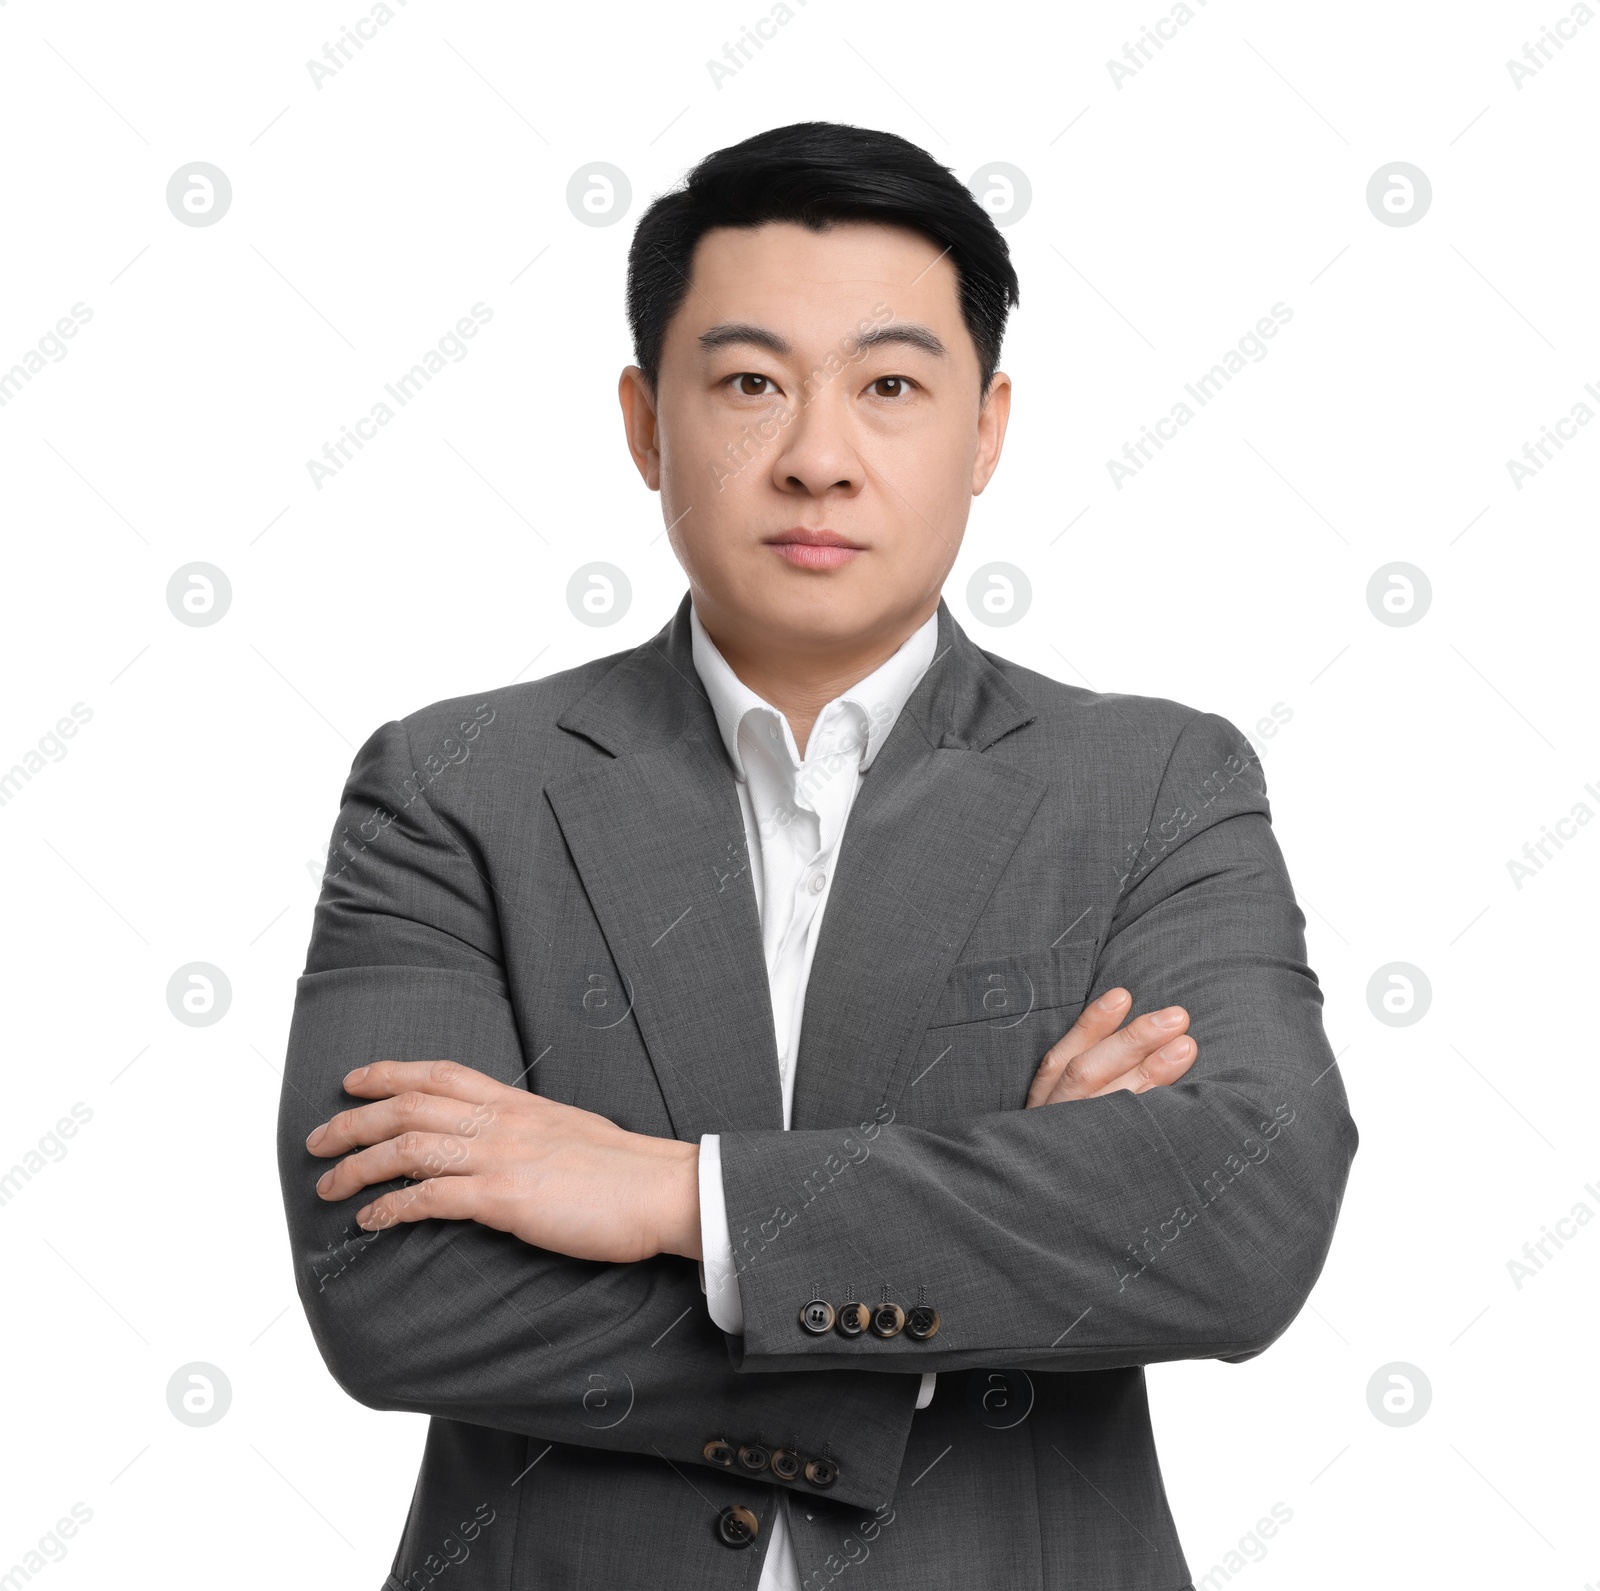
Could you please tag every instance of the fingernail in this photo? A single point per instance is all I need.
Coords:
(356, 1075)
(1170, 1018)
(1111, 1000)
(323, 1181)
(362, 1215)
(316, 1137)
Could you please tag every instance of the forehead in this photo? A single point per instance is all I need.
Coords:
(818, 284)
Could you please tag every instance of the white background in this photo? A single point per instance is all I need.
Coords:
(187, 818)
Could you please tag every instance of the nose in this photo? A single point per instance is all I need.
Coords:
(817, 455)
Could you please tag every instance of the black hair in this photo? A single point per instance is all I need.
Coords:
(814, 174)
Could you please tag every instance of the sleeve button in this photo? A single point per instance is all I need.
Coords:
(853, 1318)
(817, 1317)
(887, 1319)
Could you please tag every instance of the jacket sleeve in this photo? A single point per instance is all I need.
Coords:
(458, 1320)
(1187, 1222)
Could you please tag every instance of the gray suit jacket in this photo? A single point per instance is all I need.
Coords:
(548, 883)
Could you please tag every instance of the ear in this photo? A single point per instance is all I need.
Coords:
(993, 414)
(639, 423)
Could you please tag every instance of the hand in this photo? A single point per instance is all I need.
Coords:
(555, 1176)
(1093, 1058)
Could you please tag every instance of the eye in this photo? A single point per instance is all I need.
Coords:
(749, 385)
(897, 386)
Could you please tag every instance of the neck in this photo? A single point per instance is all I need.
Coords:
(801, 680)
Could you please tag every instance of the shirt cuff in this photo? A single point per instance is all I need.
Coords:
(925, 1392)
(719, 1279)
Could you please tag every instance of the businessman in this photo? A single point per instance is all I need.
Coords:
(768, 1093)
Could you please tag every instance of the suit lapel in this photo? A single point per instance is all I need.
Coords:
(930, 833)
(658, 839)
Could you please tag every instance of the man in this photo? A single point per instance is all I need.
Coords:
(802, 942)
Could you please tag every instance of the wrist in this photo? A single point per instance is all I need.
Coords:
(675, 1209)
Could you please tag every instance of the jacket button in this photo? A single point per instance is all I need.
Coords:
(822, 1472)
(753, 1459)
(817, 1316)
(736, 1526)
(785, 1465)
(922, 1321)
(852, 1319)
(887, 1319)
(718, 1452)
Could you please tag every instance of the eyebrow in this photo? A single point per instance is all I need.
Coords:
(906, 333)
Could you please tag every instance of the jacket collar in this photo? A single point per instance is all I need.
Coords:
(654, 695)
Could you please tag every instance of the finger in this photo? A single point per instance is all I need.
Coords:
(1159, 1070)
(388, 1118)
(1097, 1021)
(1127, 1047)
(1082, 1074)
(412, 1154)
(449, 1078)
(439, 1198)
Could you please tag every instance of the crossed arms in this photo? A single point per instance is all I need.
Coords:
(538, 1280)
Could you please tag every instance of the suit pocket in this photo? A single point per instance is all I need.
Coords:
(1003, 991)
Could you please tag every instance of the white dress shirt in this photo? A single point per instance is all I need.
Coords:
(794, 816)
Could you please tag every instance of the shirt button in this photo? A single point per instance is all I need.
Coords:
(819, 882)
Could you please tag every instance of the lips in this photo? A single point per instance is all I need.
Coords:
(804, 548)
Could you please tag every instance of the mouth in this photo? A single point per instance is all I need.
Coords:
(814, 549)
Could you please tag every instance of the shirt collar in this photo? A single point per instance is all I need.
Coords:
(880, 696)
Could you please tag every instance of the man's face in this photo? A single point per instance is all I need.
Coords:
(816, 381)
